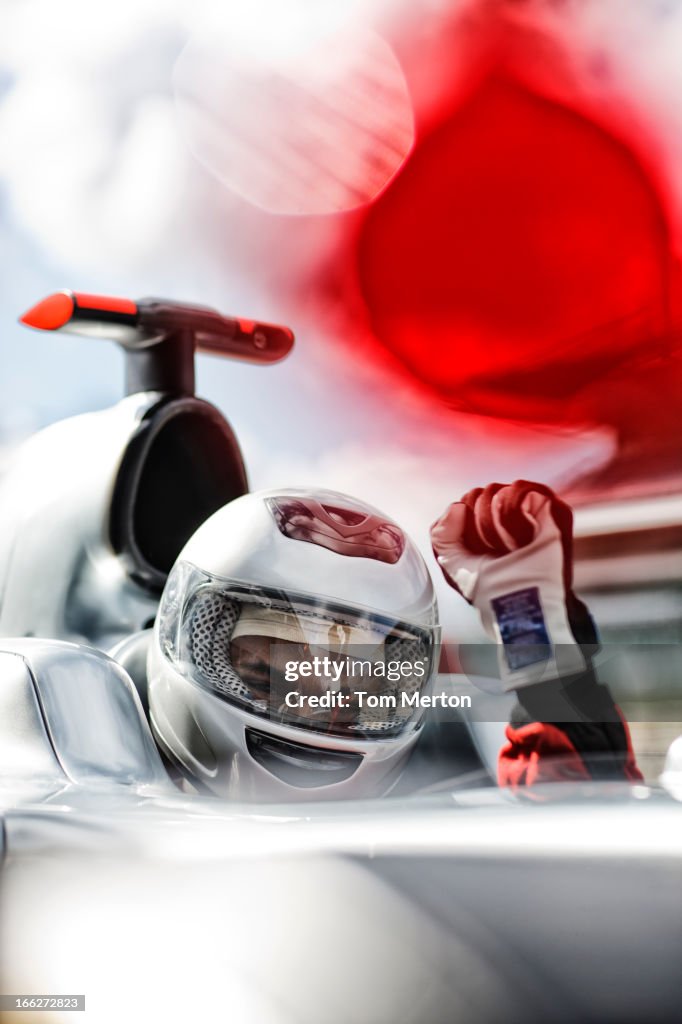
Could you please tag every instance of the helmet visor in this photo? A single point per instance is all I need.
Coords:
(301, 661)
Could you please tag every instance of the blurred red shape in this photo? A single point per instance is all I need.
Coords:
(521, 251)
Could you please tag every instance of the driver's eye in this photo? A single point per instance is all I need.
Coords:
(247, 659)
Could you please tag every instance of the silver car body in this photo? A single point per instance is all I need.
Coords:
(462, 903)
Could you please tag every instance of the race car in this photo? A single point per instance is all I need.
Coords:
(130, 888)
(561, 902)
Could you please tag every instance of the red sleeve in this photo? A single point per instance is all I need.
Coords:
(538, 752)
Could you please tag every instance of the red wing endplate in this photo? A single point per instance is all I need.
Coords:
(148, 322)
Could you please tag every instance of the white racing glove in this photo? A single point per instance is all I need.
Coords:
(507, 549)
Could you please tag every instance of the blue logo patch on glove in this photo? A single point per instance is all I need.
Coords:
(522, 628)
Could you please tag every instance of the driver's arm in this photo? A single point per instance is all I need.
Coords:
(508, 550)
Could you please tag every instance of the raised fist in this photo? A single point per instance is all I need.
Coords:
(508, 549)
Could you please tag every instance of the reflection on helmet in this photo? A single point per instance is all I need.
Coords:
(349, 533)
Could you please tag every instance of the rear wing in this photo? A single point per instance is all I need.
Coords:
(160, 337)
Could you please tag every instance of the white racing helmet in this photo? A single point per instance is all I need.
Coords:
(295, 636)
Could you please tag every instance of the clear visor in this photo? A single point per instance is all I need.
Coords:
(295, 659)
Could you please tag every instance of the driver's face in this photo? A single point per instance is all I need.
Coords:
(261, 663)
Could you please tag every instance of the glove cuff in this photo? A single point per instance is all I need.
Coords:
(575, 698)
